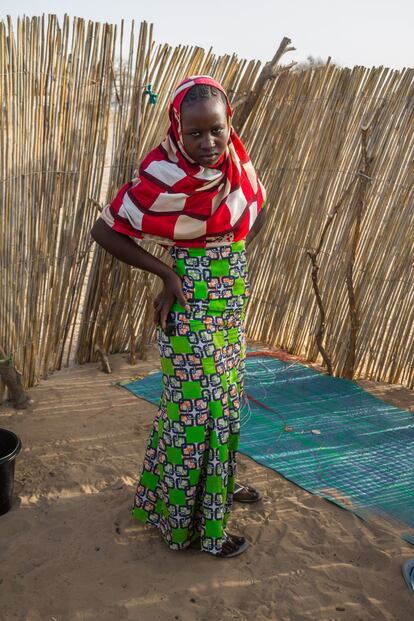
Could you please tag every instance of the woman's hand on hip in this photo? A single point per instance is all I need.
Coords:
(171, 291)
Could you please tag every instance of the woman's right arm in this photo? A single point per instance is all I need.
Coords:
(124, 249)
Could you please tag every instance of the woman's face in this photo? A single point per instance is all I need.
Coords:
(205, 130)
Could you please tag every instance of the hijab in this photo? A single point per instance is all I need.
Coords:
(176, 201)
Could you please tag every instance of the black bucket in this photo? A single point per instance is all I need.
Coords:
(10, 446)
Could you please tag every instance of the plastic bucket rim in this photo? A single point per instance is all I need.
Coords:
(15, 451)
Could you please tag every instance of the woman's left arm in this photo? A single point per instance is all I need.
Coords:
(257, 226)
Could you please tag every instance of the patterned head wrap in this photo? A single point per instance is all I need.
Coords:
(176, 201)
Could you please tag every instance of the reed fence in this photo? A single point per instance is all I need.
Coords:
(333, 272)
(336, 260)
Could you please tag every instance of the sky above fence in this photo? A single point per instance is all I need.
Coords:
(352, 32)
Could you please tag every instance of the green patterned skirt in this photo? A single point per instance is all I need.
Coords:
(186, 486)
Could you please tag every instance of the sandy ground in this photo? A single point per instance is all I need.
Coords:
(70, 550)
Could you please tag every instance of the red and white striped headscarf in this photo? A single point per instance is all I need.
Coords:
(175, 201)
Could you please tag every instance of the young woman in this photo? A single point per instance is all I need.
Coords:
(199, 194)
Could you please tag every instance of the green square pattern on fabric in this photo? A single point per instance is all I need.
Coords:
(233, 335)
(174, 455)
(180, 345)
(219, 267)
(214, 528)
(239, 286)
(196, 252)
(173, 411)
(233, 442)
(140, 514)
(177, 497)
(218, 340)
(195, 434)
(194, 476)
(239, 245)
(196, 325)
(191, 390)
(214, 484)
(179, 535)
(216, 409)
(180, 267)
(224, 453)
(150, 480)
(167, 366)
(217, 306)
(209, 366)
(200, 290)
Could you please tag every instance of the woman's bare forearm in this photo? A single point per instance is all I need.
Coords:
(124, 249)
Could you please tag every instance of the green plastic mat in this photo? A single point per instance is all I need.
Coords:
(325, 434)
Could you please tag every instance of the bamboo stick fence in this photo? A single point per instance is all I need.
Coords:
(339, 165)
(55, 93)
(334, 269)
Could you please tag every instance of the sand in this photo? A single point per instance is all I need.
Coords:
(71, 551)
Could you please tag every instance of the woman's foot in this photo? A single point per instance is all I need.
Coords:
(238, 540)
(246, 493)
(233, 545)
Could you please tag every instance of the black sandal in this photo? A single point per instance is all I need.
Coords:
(238, 548)
(240, 545)
(237, 539)
(246, 493)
